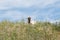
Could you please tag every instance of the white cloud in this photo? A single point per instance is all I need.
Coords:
(29, 3)
(7, 4)
(14, 15)
(25, 3)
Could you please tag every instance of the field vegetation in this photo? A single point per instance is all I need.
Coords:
(23, 31)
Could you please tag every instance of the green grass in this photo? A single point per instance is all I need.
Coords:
(23, 31)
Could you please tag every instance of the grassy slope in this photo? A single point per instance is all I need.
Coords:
(23, 31)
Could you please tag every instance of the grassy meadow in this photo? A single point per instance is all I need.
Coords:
(23, 31)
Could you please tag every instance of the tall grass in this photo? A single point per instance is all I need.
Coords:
(23, 31)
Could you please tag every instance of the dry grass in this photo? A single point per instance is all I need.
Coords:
(22, 31)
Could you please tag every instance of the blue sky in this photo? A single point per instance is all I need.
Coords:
(38, 9)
